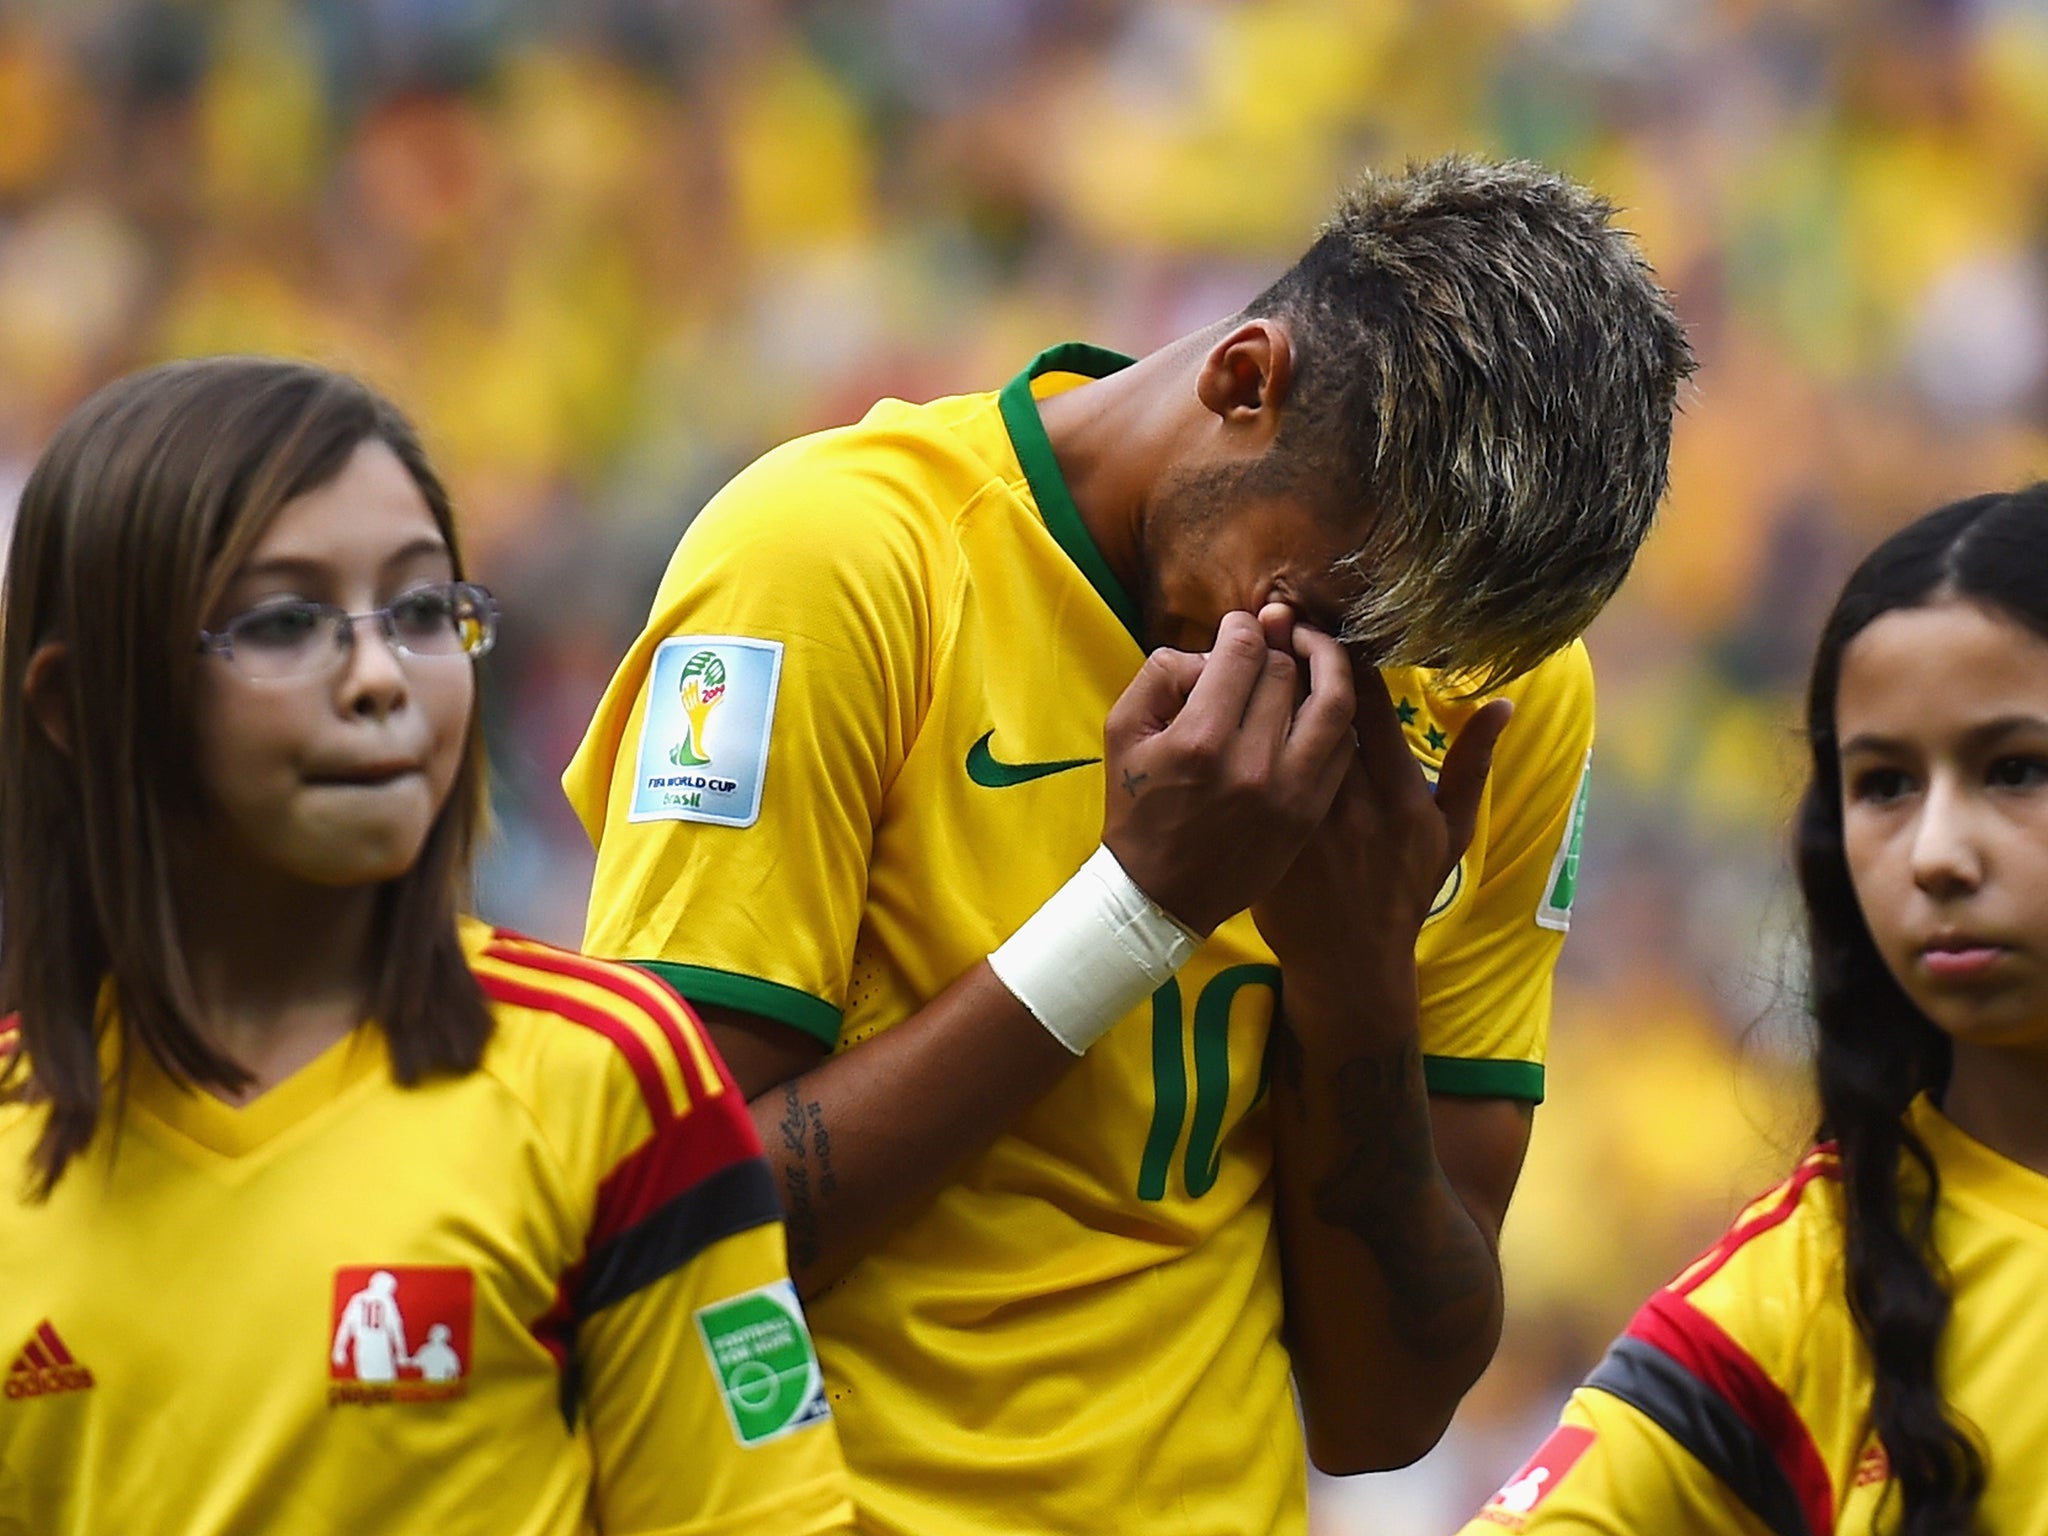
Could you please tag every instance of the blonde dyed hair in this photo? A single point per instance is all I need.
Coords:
(1486, 377)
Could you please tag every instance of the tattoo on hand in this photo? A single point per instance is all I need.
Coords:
(1436, 1274)
(1133, 782)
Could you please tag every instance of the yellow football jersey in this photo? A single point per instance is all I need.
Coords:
(1738, 1401)
(858, 744)
(545, 1298)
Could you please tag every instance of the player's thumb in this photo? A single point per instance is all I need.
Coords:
(1463, 778)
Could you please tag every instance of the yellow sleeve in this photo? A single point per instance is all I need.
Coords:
(707, 1410)
(1704, 1415)
(684, 1362)
(688, 1357)
(733, 829)
(1608, 1470)
(1485, 983)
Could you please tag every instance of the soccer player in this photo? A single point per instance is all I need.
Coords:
(270, 1108)
(993, 913)
(1862, 1351)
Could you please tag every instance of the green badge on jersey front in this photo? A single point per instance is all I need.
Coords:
(704, 739)
(761, 1353)
(1556, 911)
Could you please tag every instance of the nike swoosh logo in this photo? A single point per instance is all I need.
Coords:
(983, 768)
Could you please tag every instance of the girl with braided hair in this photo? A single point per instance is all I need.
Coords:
(1861, 1352)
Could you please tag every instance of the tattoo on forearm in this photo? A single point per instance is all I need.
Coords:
(821, 1145)
(1436, 1273)
(1133, 782)
(800, 1216)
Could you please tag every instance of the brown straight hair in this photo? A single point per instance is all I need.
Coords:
(133, 522)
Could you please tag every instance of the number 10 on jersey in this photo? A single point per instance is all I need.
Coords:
(1207, 1039)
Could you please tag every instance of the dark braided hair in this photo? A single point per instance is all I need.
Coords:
(1876, 1050)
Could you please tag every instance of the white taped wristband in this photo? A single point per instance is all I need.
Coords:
(1096, 949)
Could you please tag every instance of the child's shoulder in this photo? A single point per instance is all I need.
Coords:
(1768, 1295)
(1750, 1359)
(1788, 1239)
(563, 1017)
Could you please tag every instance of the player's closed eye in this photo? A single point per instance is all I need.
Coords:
(297, 638)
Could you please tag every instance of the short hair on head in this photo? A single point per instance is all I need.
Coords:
(1488, 370)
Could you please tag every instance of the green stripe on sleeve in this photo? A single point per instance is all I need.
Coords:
(1471, 1079)
(770, 999)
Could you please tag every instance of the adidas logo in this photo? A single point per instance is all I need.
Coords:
(45, 1366)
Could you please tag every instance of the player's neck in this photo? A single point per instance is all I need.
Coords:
(1118, 438)
(281, 969)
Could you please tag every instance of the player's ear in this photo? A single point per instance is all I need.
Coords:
(45, 685)
(1246, 376)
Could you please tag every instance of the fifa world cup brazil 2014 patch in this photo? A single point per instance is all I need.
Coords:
(1563, 885)
(704, 737)
(767, 1373)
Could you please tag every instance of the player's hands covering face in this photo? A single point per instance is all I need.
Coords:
(1273, 774)
(1354, 898)
(1218, 768)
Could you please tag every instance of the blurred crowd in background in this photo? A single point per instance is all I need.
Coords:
(607, 251)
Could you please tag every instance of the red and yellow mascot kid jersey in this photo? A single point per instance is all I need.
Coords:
(1738, 1401)
(544, 1298)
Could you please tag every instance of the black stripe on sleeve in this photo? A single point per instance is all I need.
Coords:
(1701, 1420)
(572, 1383)
(738, 1196)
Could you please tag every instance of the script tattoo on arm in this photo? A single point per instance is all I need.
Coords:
(800, 1216)
(1380, 1192)
(821, 1148)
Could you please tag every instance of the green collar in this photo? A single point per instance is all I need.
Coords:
(1042, 469)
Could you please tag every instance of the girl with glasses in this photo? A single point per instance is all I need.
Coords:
(1863, 1350)
(330, 1208)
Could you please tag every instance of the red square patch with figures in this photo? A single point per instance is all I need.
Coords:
(400, 1333)
(1539, 1475)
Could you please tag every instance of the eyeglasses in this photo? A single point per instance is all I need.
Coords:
(298, 639)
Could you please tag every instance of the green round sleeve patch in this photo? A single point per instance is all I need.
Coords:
(761, 1355)
(1563, 884)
